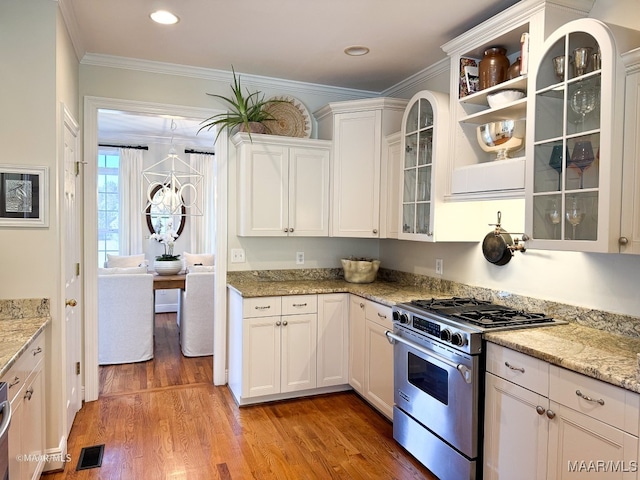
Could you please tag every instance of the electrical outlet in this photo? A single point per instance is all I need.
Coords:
(299, 258)
(439, 266)
(237, 255)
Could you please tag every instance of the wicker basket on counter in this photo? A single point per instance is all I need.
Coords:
(360, 270)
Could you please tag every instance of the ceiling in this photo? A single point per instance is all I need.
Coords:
(300, 40)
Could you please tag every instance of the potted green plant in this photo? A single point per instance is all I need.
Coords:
(246, 111)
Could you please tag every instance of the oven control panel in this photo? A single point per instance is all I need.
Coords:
(439, 330)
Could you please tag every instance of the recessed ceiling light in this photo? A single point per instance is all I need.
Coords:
(164, 17)
(356, 50)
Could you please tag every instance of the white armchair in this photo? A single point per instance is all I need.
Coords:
(195, 314)
(125, 318)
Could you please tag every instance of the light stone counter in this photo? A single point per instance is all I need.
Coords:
(21, 321)
(605, 356)
(598, 344)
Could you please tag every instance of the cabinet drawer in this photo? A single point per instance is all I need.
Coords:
(17, 375)
(378, 313)
(297, 304)
(261, 307)
(521, 369)
(602, 401)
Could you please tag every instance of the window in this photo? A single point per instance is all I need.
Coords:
(108, 203)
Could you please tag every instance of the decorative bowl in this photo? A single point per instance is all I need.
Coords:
(360, 271)
(501, 137)
(503, 97)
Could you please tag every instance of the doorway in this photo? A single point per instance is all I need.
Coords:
(92, 107)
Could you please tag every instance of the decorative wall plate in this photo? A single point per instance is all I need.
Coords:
(291, 118)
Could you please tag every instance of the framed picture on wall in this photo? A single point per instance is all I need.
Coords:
(23, 196)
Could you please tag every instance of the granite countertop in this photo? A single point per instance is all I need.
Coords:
(21, 321)
(604, 355)
(386, 293)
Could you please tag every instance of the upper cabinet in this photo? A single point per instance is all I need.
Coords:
(358, 129)
(425, 127)
(575, 166)
(487, 159)
(283, 186)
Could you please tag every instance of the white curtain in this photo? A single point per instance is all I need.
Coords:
(132, 219)
(203, 227)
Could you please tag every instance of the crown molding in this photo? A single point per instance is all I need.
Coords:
(69, 18)
(211, 74)
(407, 87)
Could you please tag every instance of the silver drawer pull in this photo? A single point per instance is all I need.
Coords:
(299, 304)
(588, 398)
(382, 316)
(14, 382)
(263, 308)
(518, 369)
(36, 351)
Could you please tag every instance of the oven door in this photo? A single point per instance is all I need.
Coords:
(438, 387)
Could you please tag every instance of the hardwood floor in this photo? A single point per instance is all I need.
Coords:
(164, 419)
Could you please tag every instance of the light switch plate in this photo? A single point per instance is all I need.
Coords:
(299, 258)
(439, 266)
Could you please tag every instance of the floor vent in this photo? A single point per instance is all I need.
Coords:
(90, 457)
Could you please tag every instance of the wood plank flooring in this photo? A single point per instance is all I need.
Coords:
(164, 419)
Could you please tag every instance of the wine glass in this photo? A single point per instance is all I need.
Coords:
(583, 101)
(555, 162)
(555, 216)
(582, 157)
(581, 63)
(559, 66)
(575, 215)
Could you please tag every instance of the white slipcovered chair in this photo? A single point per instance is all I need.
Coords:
(125, 316)
(195, 312)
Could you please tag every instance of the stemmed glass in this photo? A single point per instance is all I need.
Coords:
(583, 101)
(555, 162)
(575, 215)
(582, 157)
(555, 216)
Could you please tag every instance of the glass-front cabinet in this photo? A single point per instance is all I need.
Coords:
(574, 170)
(424, 144)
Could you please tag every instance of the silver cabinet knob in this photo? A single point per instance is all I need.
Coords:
(291, 230)
(375, 231)
(71, 302)
(623, 241)
(551, 414)
(278, 323)
(286, 230)
(540, 410)
(285, 323)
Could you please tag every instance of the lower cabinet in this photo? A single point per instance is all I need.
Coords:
(275, 344)
(371, 354)
(545, 422)
(27, 396)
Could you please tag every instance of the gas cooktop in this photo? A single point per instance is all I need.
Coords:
(480, 313)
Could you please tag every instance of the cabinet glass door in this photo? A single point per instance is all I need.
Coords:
(567, 140)
(418, 161)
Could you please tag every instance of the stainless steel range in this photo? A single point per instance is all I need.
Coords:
(439, 368)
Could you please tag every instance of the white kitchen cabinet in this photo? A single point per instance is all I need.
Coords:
(630, 228)
(25, 380)
(575, 168)
(357, 331)
(570, 427)
(378, 358)
(283, 186)
(333, 339)
(474, 173)
(425, 142)
(279, 348)
(370, 353)
(390, 186)
(358, 129)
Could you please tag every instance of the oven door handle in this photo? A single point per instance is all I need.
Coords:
(6, 417)
(464, 370)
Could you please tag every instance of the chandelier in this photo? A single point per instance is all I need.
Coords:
(172, 186)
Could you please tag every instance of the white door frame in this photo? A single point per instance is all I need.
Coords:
(90, 221)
